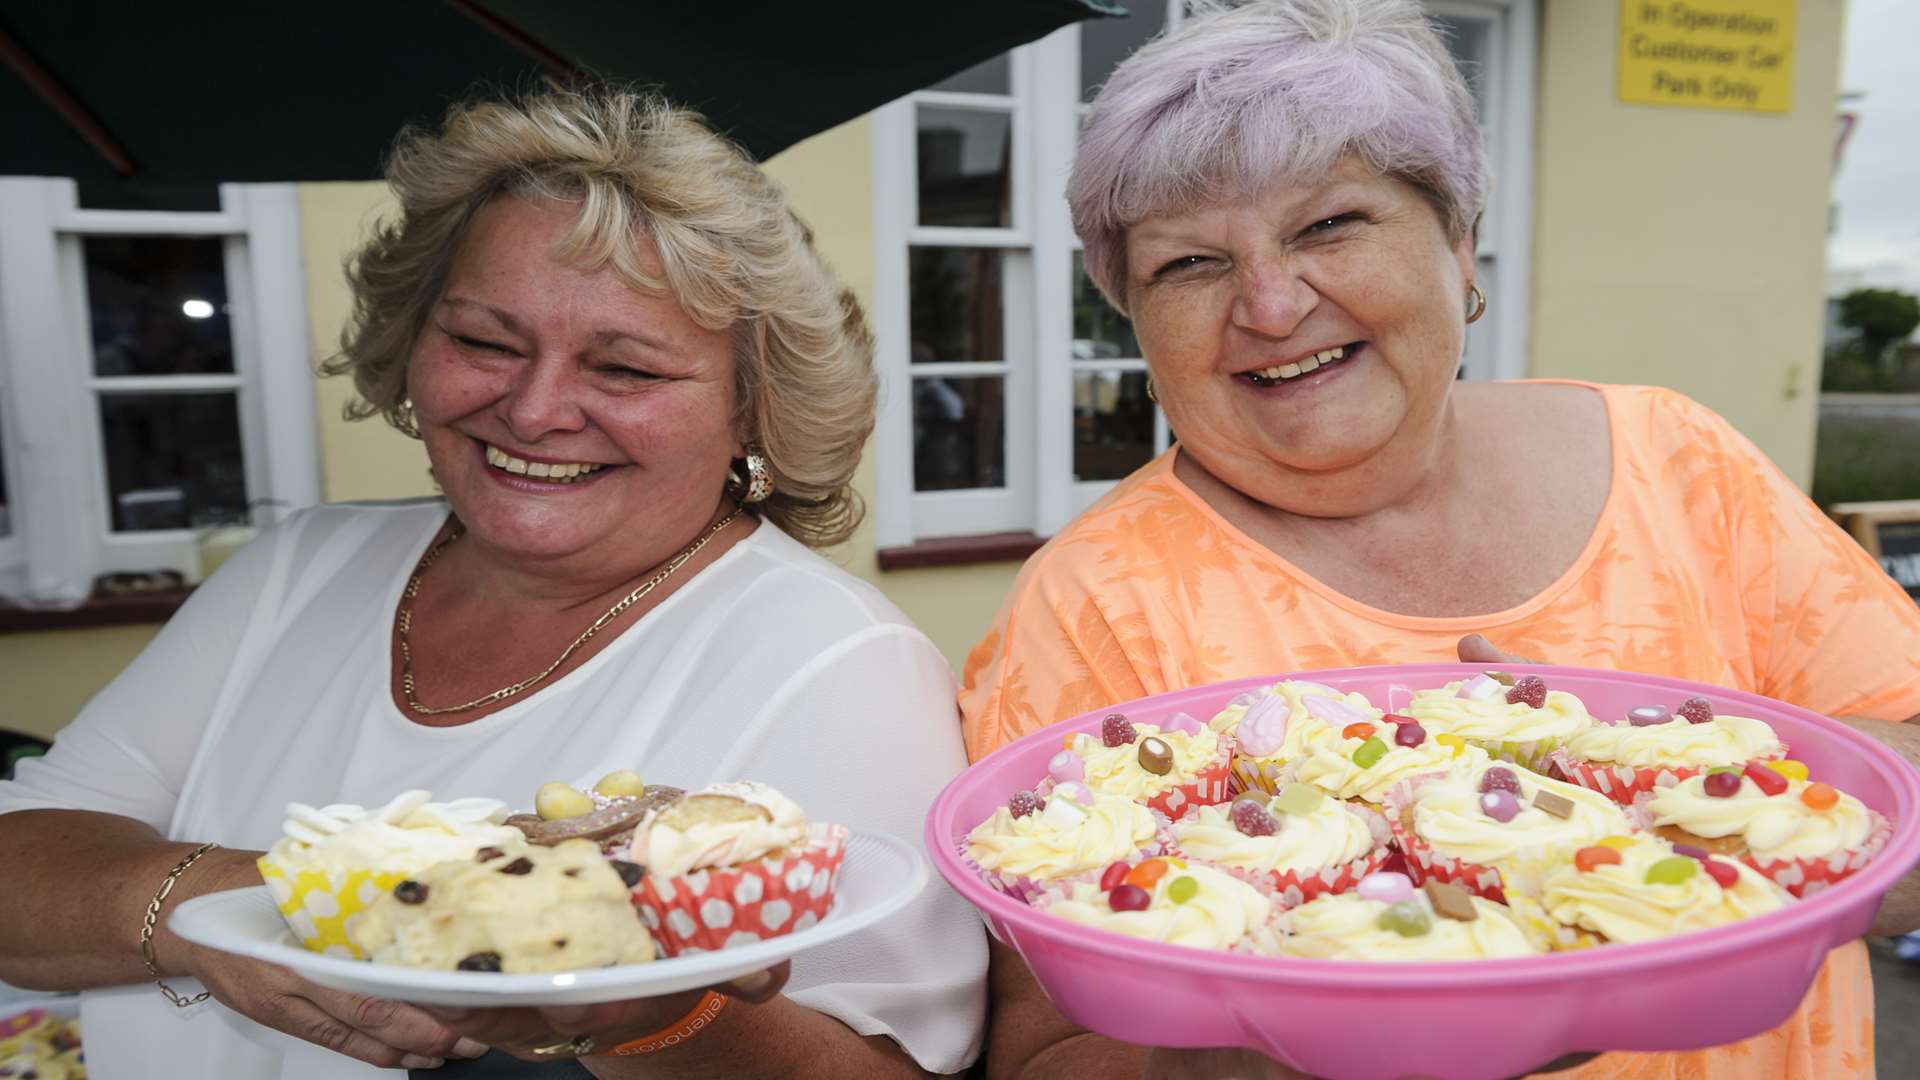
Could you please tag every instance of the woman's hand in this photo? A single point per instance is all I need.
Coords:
(1227, 1063)
(525, 1032)
(374, 1030)
(1476, 649)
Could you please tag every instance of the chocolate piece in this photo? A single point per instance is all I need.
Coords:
(1500, 677)
(1715, 845)
(481, 961)
(519, 866)
(1558, 805)
(619, 815)
(631, 873)
(1450, 901)
(410, 892)
(1156, 756)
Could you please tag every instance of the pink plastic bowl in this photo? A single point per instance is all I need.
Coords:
(1461, 1021)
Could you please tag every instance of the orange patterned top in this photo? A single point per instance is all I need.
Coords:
(1706, 564)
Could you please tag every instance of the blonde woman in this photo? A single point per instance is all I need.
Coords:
(643, 395)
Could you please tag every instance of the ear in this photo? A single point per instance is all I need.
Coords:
(1463, 255)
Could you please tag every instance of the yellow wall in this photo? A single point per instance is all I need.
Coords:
(1684, 247)
(50, 675)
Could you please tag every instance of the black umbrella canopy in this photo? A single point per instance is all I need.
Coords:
(149, 104)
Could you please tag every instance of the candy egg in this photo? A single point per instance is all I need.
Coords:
(1820, 796)
(1361, 730)
(1500, 805)
(1499, 778)
(1182, 889)
(1789, 768)
(1409, 734)
(1725, 874)
(556, 800)
(1125, 897)
(1647, 715)
(1299, 798)
(621, 784)
(1370, 753)
(1721, 785)
(1673, 870)
(1588, 858)
(1155, 756)
(1407, 919)
(1765, 779)
(1066, 765)
(1385, 886)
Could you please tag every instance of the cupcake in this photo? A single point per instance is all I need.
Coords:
(561, 908)
(1270, 727)
(1173, 901)
(731, 864)
(1635, 888)
(1364, 761)
(1802, 836)
(1466, 826)
(1653, 748)
(1387, 919)
(1518, 720)
(334, 861)
(1299, 843)
(1171, 770)
(1032, 843)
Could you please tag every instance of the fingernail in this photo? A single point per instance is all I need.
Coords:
(468, 1048)
(415, 1061)
(749, 985)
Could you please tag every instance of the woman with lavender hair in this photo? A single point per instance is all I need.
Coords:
(1283, 197)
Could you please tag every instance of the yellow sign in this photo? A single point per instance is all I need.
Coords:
(1708, 54)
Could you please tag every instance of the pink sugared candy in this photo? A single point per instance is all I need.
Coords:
(1115, 730)
(1253, 819)
(1530, 690)
(1697, 710)
(1025, 802)
(1263, 730)
(1078, 792)
(1410, 734)
(1478, 688)
(1721, 785)
(1336, 713)
(1066, 765)
(1386, 886)
(1725, 873)
(1500, 805)
(1125, 897)
(1497, 778)
(1647, 715)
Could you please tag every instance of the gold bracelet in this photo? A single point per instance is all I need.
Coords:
(147, 926)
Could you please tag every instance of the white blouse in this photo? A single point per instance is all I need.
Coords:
(271, 685)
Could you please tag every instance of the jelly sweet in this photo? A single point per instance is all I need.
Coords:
(1497, 778)
(1386, 886)
(1725, 874)
(1361, 730)
(1721, 785)
(1116, 730)
(1500, 805)
(1697, 710)
(1530, 690)
(1789, 768)
(1148, 873)
(1819, 796)
(1370, 753)
(1410, 734)
(1766, 779)
(1587, 858)
(1453, 742)
(1298, 798)
(1673, 870)
(1113, 875)
(1125, 897)
(1406, 918)
(1252, 819)
(1182, 889)
(1023, 803)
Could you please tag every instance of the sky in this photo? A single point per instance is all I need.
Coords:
(1877, 189)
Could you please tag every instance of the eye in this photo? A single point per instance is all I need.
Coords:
(1326, 225)
(622, 371)
(1174, 266)
(479, 345)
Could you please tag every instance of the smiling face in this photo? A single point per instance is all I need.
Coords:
(565, 413)
(1304, 342)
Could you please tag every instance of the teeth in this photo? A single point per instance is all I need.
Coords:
(565, 473)
(1309, 364)
(1288, 371)
(1312, 363)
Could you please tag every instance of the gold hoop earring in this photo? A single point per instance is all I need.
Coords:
(758, 483)
(1479, 303)
(1152, 395)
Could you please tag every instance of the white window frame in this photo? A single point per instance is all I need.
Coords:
(1041, 494)
(62, 529)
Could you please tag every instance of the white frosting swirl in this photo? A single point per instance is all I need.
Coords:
(1495, 718)
(1447, 814)
(1295, 693)
(1329, 836)
(1347, 927)
(1330, 765)
(1223, 911)
(409, 833)
(1116, 770)
(1726, 740)
(680, 837)
(1773, 826)
(1113, 828)
(1615, 900)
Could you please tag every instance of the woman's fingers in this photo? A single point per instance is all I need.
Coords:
(1476, 649)
(759, 987)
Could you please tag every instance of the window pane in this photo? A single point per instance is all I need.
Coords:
(964, 173)
(1467, 39)
(955, 305)
(959, 428)
(173, 460)
(989, 76)
(1112, 424)
(1106, 42)
(158, 305)
(1099, 332)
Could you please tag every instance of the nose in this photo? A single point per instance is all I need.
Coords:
(543, 400)
(1272, 299)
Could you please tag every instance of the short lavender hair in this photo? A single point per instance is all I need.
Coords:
(1246, 96)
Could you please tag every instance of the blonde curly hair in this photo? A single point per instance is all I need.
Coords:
(732, 253)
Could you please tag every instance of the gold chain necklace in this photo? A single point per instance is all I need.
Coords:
(405, 621)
